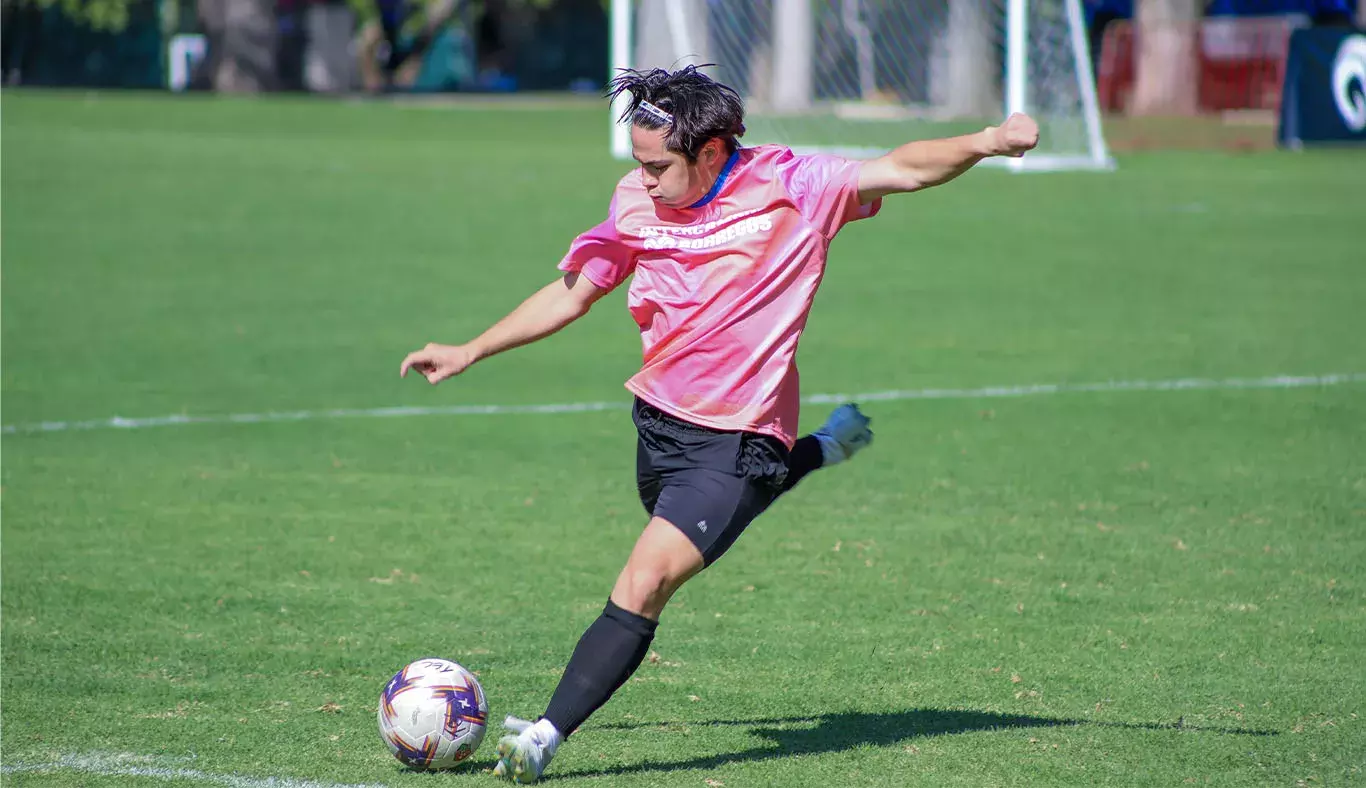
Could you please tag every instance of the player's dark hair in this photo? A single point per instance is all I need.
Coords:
(702, 108)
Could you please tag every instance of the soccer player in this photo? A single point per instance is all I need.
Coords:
(727, 246)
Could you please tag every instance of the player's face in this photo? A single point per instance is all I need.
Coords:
(668, 176)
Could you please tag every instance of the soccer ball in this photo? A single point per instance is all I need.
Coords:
(432, 714)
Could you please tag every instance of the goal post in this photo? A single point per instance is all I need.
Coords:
(858, 77)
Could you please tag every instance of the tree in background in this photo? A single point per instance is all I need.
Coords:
(243, 44)
(103, 15)
(1165, 78)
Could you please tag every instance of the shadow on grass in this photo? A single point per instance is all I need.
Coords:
(477, 765)
(843, 731)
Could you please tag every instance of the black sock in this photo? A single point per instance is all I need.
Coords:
(608, 653)
(806, 457)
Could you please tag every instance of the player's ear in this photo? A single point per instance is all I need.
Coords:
(712, 150)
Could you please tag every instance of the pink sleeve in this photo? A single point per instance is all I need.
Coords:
(825, 188)
(602, 255)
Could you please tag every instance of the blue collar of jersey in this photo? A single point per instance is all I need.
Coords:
(720, 180)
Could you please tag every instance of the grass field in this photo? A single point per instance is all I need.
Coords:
(1099, 587)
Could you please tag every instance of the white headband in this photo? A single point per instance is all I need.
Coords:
(651, 109)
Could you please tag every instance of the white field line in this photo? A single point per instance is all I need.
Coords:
(128, 765)
(988, 392)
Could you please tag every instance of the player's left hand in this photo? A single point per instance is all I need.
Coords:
(1018, 135)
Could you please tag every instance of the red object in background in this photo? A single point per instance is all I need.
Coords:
(1115, 71)
(1240, 63)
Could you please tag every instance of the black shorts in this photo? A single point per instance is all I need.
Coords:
(710, 484)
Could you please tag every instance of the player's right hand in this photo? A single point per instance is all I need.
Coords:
(438, 362)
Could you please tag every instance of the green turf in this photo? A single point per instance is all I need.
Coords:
(1154, 588)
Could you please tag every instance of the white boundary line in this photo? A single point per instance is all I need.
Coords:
(988, 392)
(129, 765)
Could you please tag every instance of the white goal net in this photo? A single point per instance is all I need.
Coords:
(860, 77)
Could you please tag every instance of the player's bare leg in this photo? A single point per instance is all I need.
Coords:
(662, 560)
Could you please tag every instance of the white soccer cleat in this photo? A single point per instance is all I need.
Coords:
(844, 433)
(524, 754)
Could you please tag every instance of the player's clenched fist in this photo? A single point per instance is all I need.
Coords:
(1015, 137)
(438, 362)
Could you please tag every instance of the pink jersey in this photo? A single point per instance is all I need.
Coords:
(722, 289)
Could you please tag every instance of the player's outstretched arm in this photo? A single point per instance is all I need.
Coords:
(548, 310)
(925, 163)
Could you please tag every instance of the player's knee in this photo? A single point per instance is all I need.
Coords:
(644, 589)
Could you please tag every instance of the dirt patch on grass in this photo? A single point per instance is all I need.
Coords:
(1231, 131)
